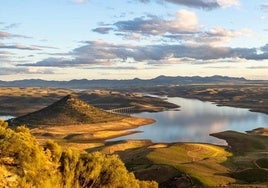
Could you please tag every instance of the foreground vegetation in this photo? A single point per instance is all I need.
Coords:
(24, 163)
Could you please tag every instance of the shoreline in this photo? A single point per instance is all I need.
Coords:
(14, 100)
(222, 103)
(99, 132)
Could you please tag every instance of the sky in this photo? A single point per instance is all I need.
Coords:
(126, 39)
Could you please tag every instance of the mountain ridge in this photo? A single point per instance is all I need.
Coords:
(136, 82)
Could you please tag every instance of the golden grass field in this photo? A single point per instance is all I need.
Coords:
(89, 133)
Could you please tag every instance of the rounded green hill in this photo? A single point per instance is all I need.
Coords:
(67, 111)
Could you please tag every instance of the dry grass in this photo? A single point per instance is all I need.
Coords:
(259, 131)
(15, 99)
(90, 133)
(125, 145)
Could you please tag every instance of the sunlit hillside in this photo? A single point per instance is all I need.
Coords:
(24, 163)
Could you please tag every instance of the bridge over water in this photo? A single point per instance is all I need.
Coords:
(124, 110)
(116, 109)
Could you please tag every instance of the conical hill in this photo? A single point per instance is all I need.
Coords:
(67, 111)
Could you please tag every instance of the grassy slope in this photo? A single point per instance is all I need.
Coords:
(248, 164)
(67, 111)
(89, 133)
(203, 162)
(20, 101)
(200, 161)
(209, 165)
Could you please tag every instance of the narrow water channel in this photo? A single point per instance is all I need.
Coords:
(6, 117)
(195, 121)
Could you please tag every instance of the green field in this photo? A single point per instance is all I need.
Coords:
(201, 161)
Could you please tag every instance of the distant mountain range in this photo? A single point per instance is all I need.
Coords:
(105, 83)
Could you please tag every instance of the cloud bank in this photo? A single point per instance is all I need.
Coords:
(18, 47)
(5, 35)
(183, 27)
(202, 4)
(104, 53)
(264, 6)
(22, 70)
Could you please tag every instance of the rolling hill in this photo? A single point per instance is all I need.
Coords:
(67, 111)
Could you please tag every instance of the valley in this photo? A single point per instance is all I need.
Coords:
(134, 94)
(79, 125)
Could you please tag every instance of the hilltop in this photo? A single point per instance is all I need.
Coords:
(18, 101)
(67, 111)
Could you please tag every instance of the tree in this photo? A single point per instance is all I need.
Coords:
(48, 166)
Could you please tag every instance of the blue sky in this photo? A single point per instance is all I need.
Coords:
(125, 39)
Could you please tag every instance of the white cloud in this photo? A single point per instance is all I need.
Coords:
(18, 47)
(24, 70)
(228, 3)
(4, 35)
(264, 6)
(221, 36)
(183, 27)
(110, 54)
(80, 1)
(184, 21)
(203, 4)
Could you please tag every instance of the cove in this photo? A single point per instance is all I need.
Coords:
(195, 121)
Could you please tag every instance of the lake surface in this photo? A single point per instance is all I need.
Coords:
(6, 117)
(195, 121)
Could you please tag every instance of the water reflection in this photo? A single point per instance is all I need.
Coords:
(196, 121)
(6, 117)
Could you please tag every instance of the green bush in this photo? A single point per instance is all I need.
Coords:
(252, 175)
(49, 166)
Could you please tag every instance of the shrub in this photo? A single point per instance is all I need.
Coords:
(49, 166)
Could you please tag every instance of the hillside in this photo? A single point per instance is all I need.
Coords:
(67, 111)
(24, 163)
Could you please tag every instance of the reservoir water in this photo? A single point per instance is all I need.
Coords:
(195, 121)
(6, 117)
